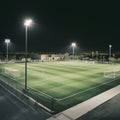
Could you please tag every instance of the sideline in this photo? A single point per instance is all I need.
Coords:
(88, 89)
(77, 111)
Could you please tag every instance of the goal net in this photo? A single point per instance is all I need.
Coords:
(11, 72)
(111, 73)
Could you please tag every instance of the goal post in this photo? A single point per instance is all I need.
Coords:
(11, 72)
(111, 73)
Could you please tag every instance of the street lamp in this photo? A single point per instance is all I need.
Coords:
(73, 46)
(7, 41)
(27, 23)
(110, 46)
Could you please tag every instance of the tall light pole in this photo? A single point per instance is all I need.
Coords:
(110, 46)
(7, 41)
(27, 23)
(73, 46)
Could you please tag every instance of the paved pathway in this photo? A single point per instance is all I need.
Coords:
(86, 106)
(13, 109)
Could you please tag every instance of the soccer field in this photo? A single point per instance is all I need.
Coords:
(60, 85)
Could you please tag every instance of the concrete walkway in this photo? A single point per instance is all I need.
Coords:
(77, 111)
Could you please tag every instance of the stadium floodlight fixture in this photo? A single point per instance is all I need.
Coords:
(110, 46)
(7, 41)
(27, 23)
(73, 46)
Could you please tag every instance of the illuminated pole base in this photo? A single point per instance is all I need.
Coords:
(25, 90)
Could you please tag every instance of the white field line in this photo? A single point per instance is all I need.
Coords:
(19, 78)
(79, 110)
(72, 94)
(31, 87)
(76, 82)
(86, 90)
(37, 91)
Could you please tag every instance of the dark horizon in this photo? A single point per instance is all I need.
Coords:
(93, 26)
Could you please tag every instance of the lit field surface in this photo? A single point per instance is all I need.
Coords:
(60, 85)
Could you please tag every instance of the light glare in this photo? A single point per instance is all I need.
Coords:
(28, 22)
(7, 40)
(110, 46)
(73, 44)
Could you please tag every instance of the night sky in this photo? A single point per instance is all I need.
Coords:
(92, 25)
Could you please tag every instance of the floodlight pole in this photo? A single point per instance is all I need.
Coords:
(7, 54)
(26, 57)
(110, 46)
(73, 46)
(73, 52)
(7, 41)
(27, 23)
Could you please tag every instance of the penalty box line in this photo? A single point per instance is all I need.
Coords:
(86, 90)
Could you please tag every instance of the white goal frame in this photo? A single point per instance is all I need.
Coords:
(111, 73)
(12, 72)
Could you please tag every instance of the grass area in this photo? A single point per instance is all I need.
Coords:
(60, 85)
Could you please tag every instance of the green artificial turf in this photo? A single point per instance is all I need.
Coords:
(60, 85)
